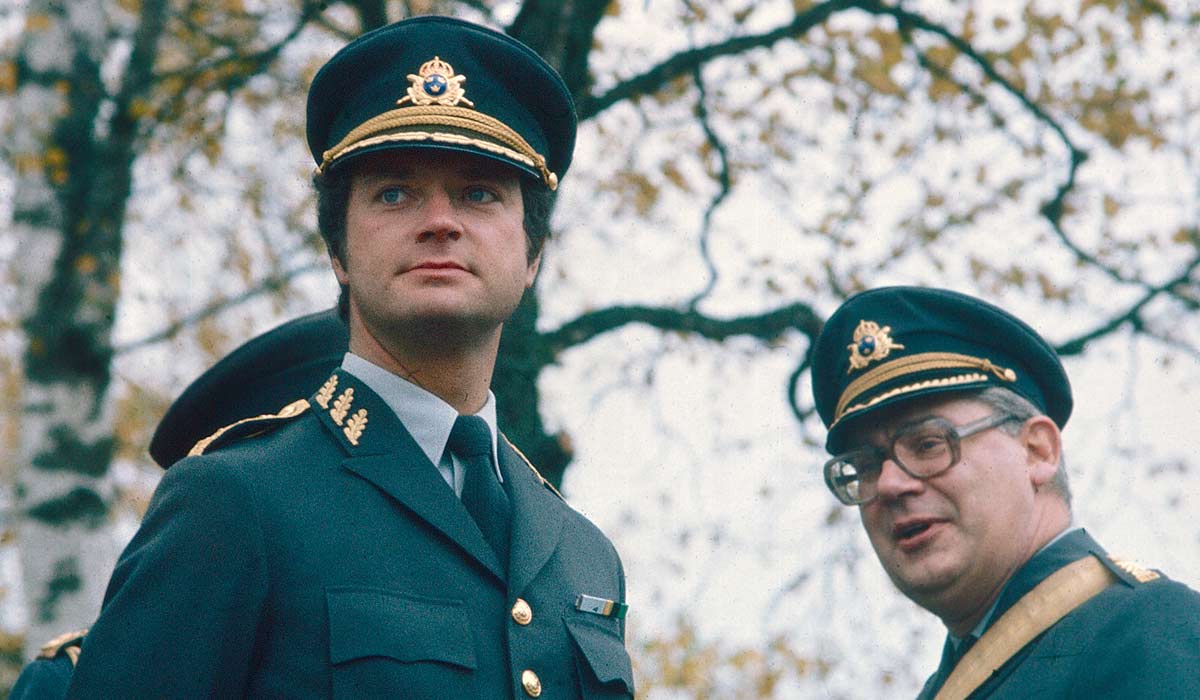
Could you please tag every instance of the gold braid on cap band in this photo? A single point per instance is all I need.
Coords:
(912, 364)
(508, 143)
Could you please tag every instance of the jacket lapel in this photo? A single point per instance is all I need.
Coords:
(382, 452)
(538, 517)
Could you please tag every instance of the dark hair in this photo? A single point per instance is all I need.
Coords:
(1004, 400)
(333, 197)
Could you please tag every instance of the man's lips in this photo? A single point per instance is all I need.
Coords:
(437, 265)
(915, 531)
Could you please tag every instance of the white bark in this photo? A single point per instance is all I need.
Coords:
(51, 554)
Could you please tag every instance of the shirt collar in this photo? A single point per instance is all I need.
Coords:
(426, 416)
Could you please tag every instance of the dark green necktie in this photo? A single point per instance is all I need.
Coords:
(482, 495)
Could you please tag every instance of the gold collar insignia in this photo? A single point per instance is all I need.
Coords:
(1139, 572)
(352, 427)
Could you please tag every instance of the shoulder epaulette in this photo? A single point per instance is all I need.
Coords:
(248, 427)
(1131, 571)
(544, 480)
(68, 644)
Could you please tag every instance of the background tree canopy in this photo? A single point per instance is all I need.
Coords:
(742, 167)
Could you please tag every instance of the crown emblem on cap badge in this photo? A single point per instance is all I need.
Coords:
(436, 83)
(871, 343)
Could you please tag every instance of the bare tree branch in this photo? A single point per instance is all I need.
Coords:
(771, 324)
(372, 14)
(801, 414)
(942, 72)
(1053, 209)
(723, 179)
(251, 64)
(1131, 316)
(563, 33)
(684, 62)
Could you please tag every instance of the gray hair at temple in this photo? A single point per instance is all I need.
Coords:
(1004, 400)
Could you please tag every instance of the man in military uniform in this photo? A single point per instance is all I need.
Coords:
(380, 539)
(256, 378)
(944, 414)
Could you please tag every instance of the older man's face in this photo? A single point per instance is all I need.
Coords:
(952, 541)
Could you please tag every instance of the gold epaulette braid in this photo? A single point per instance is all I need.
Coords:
(294, 408)
(544, 480)
(68, 643)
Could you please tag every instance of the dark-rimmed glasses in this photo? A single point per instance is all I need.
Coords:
(923, 450)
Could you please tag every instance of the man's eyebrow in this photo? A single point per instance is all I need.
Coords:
(391, 173)
(483, 172)
(867, 438)
(914, 422)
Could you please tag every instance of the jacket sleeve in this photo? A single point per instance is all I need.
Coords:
(181, 610)
(42, 679)
(1151, 649)
(621, 588)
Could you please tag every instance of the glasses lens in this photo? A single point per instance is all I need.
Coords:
(852, 476)
(926, 449)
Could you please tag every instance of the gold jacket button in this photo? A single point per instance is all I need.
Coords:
(522, 613)
(531, 683)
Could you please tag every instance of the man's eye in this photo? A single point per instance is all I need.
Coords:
(480, 195)
(391, 195)
(923, 445)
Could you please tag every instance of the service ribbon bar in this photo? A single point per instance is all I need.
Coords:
(600, 606)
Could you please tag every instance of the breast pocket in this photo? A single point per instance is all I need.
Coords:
(605, 670)
(391, 644)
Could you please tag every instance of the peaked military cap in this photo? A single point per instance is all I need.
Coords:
(440, 82)
(892, 344)
(260, 377)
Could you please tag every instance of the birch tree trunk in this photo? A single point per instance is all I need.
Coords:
(73, 144)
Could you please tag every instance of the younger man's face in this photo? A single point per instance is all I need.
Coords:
(435, 239)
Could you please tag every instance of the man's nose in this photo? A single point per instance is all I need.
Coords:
(895, 482)
(441, 220)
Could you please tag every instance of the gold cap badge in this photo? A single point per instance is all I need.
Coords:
(871, 342)
(436, 83)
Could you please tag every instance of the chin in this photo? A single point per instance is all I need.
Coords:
(919, 580)
(450, 328)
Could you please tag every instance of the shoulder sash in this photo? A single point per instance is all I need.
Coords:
(1050, 601)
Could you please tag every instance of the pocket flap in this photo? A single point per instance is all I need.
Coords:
(605, 653)
(376, 622)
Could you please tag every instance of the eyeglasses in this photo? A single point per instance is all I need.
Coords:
(923, 450)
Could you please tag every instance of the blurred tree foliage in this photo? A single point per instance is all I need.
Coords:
(155, 211)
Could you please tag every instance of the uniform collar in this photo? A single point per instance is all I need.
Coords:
(425, 415)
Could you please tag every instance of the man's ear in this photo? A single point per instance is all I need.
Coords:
(1043, 449)
(534, 265)
(339, 271)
